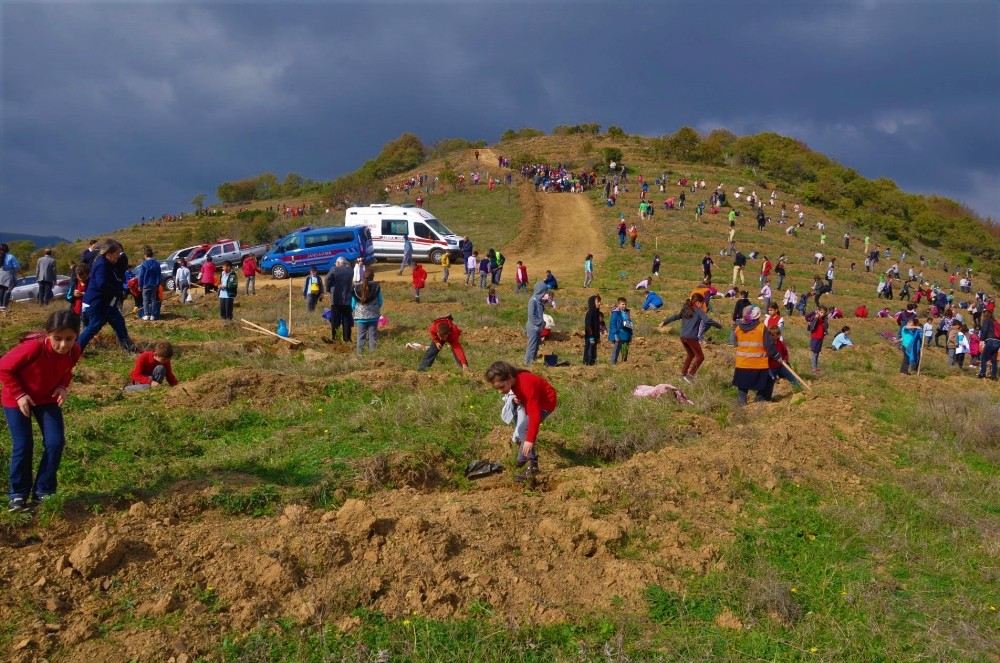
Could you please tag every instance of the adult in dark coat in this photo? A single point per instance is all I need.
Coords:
(338, 284)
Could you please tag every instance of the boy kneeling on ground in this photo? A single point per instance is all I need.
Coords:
(152, 368)
(444, 330)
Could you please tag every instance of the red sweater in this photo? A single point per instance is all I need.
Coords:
(419, 276)
(144, 365)
(456, 345)
(32, 367)
(535, 394)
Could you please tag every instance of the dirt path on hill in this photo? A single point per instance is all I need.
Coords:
(558, 230)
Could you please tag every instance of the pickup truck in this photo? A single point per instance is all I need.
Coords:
(219, 252)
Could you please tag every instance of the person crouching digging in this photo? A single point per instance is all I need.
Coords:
(534, 399)
(754, 346)
(442, 331)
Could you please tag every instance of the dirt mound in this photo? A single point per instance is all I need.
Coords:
(592, 538)
(258, 387)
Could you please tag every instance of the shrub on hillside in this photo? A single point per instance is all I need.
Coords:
(397, 156)
(616, 132)
(577, 129)
(610, 154)
(526, 132)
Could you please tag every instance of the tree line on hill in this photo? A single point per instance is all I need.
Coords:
(768, 159)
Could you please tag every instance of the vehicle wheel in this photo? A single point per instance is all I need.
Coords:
(279, 272)
(435, 256)
(169, 283)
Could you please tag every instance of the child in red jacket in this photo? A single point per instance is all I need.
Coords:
(419, 280)
(818, 327)
(444, 330)
(35, 375)
(537, 398)
(152, 368)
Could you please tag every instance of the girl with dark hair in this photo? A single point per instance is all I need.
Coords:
(694, 323)
(536, 397)
(35, 375)
(366, 303)
(593, 321)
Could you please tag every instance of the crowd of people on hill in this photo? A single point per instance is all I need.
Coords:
(36, 373)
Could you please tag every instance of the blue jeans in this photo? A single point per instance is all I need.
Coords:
(50, 420)
(367, 332)
(150, 303)
(531, 351)
(103, 314)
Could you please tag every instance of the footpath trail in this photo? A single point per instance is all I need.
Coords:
(558, 230)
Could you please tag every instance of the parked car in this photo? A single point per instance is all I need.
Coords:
(167, 265)
(26, 289)
(223, 250)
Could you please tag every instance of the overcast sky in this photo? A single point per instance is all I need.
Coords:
(111, 111)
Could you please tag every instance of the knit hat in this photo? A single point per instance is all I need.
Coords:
(751, 313)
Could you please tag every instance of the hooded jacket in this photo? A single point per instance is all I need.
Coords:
(536, 307)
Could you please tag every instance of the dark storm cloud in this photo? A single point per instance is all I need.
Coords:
(112, 111)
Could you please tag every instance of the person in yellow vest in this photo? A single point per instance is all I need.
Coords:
(753, 348)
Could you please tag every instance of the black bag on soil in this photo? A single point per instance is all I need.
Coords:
(479, 469)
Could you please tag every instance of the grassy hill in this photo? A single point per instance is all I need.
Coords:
(307, 504)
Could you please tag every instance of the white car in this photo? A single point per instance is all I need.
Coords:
(26, 289)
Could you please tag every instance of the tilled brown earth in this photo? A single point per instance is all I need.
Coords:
(171, 577)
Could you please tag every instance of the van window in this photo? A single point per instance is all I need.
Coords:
(422, 231)
(439, 227)
(326, 239)
(289, 243)
(395, 227)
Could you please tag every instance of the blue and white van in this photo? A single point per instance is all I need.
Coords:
(298, 251)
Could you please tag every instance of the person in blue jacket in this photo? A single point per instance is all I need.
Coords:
(620, 330)
(103, 288)
(653, 301)
(149, 281)
(550, 280)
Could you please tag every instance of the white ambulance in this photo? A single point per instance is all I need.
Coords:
(389, 224)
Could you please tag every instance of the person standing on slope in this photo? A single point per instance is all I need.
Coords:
(535, 323)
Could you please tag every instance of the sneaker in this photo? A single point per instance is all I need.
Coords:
(527, 476)
(688, 378)
(17, 504)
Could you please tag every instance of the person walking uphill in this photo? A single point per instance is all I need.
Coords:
(592, 323)
(694, 322)
(103, 288)
(754, 347)
(444, 330)
(35, 375)
(45, 275)
(366, 304)
(338, 283)
(535, 324)
(537, 398)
